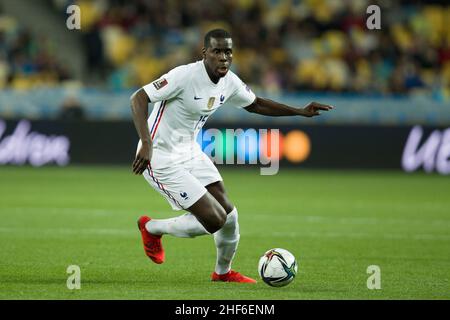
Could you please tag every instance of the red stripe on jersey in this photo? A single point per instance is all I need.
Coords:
(157, 124)
(157, 115)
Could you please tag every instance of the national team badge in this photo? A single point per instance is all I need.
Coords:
(184, 195)
(158, 84)
(211, 102)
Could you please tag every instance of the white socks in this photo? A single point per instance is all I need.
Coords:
(187, 226)
(227, 239)
(184, 226)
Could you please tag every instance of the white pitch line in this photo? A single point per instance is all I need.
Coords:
(288, 216)
(68, 231)
(303, 234)
(64, 210)
(358, 220)
(297, 217)
(68, 210)
(355, 235)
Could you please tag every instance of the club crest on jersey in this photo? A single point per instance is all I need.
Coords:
(211, 102)
(158, 84)
(222, 98)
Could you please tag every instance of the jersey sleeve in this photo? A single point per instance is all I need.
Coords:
(168, 86)
(243, 96)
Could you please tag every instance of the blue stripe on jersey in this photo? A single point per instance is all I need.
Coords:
(157, 115)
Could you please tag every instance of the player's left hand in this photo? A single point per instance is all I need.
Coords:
(313, 109)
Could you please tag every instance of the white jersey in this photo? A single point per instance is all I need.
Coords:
(183, 100)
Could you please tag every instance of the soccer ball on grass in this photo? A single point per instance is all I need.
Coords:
(277, 267)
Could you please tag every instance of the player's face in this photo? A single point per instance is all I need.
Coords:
(218, 57)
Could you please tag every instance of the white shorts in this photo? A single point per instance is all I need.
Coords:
(182, 184)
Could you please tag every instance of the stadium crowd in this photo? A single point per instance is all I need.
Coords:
(27, 60)
(311, 45)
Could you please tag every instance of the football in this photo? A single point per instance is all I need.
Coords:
(277, 267)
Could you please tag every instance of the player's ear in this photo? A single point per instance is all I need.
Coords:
(204, 52)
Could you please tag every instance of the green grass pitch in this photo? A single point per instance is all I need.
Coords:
(336, 223)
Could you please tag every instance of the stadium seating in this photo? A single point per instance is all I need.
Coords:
(281, 46)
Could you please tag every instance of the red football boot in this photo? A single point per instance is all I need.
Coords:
(232, 276)
(152, 243)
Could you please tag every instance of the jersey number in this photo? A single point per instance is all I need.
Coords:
(201, 122)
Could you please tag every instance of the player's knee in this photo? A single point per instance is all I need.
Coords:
(225, 203)
(228, 206)
(217, 220)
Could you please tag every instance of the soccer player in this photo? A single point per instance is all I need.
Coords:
(174, 164)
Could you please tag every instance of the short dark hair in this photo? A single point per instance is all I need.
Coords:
(215, 33)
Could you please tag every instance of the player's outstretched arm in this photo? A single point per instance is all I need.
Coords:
(272, 108)
(139, 107)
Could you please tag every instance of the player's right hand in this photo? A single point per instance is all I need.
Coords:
(142, 159)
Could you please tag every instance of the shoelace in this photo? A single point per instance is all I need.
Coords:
(235, 275)
(154, 247)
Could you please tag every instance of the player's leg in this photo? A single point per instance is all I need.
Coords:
(184, 192)
(209, 212)
(205, 216)
(217, 190)
(226, 238)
